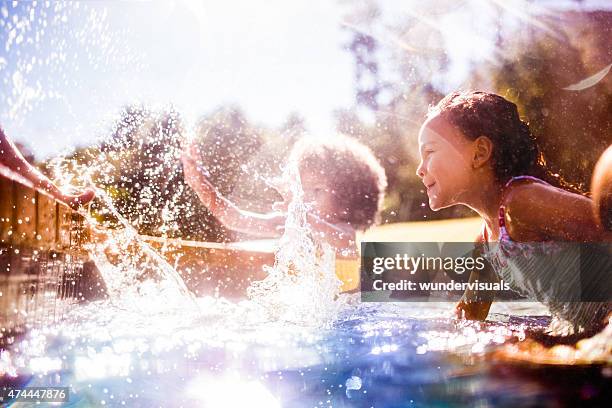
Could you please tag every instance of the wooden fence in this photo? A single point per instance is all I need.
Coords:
(43, 266)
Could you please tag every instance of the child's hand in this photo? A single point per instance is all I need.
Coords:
(75, 201)
(472, 310)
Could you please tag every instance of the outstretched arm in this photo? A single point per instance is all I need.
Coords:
(14, 160)
(232, 217)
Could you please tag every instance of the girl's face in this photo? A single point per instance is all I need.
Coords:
(446, 163)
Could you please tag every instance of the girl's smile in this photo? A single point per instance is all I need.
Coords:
(445, 162)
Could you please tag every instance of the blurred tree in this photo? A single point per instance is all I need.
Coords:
(256, 193)
(139, 166)
(240, 157)
(395, 109)
(293, 128)
(225, 141)
(534, 59)
(572, 127)
(363, 48)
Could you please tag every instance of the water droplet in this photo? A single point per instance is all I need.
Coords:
(352, 383)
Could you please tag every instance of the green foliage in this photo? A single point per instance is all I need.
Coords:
(572, 127)
(239, 156)
(139, 167)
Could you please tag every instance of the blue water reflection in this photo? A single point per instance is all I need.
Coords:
(382, 356)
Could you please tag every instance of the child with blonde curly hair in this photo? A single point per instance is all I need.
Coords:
(340, 178)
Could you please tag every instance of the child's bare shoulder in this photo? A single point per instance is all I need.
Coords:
(536, 211)
(527, 206)
(520, 194)
(525, 198)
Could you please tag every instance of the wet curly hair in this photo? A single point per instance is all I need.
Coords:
(476, 113)
(351, 172)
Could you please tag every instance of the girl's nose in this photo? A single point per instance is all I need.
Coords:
(419, 171)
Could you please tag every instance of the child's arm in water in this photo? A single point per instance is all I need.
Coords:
(474, 304)
(536, 212)
(260, 225)
(14, 160)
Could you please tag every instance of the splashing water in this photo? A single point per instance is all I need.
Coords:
(130, 267)
(135, 275)
(153, 344)
(302, 286)
(266, 351)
